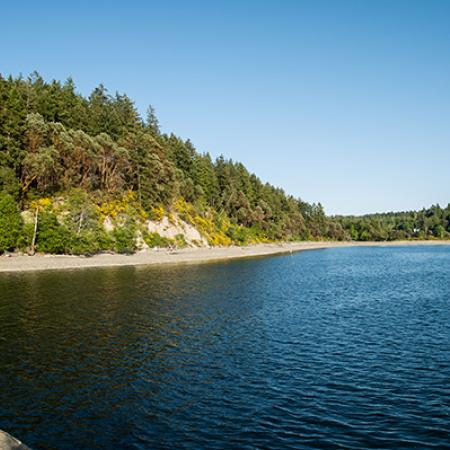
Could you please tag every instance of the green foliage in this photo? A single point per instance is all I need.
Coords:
(26, 236)
(89, 242)
(52, 237)
(431, 223)
(97, 160)
(124, 237)
(10, 222)
(180, 241)
(238, 234)
(9, 183)
(58, 141)
(156, 240)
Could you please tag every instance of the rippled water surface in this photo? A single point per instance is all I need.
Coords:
(339, 348)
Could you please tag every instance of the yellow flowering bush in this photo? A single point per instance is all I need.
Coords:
(157, 213)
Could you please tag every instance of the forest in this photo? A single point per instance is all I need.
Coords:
(70, 164)
(428, 223)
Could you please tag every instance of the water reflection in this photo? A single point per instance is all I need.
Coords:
(319, 349)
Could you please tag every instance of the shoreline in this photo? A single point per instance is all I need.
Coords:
(22, 263)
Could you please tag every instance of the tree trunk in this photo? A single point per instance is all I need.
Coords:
(33, 242)
(80, 222)
(139, 186)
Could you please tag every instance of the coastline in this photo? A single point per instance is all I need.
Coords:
(21, 263)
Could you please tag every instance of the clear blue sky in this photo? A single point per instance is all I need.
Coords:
(342, 102)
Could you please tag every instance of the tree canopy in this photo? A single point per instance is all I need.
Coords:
(56, 143)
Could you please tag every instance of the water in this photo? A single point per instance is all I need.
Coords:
(339, 348)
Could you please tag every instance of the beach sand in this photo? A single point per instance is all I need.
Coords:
(20, 263)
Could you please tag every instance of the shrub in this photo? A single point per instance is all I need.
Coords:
(156, 240)
(26, 236)
(10, 222)
(124, 240)
(83, 219)
(238, 234)
(52, 237)
(180, 241)
(124, 206)
(157, 213)
(439, 231)
(89, 242)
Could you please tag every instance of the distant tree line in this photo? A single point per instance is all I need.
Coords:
(430, 223)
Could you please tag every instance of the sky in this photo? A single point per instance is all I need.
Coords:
(342, 102)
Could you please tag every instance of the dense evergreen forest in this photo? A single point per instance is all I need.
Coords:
(81, 175)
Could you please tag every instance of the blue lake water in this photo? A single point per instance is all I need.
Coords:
(337, 348)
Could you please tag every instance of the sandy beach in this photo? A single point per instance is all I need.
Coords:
(16, 263)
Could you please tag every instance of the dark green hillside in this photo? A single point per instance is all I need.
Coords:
(75, 161)
(81, 175)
